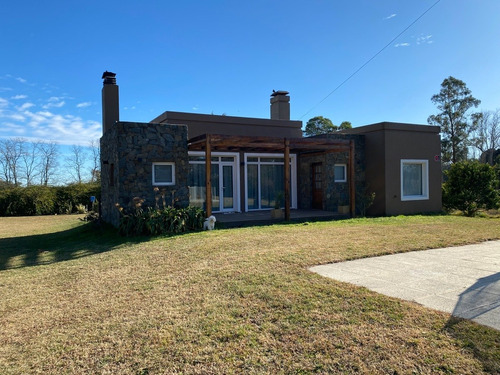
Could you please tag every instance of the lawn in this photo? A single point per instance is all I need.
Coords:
(75, 299)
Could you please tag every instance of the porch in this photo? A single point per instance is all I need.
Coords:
(243, 219)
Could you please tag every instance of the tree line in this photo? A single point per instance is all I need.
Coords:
(28, 163)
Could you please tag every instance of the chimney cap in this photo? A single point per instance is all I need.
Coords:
(107, 74)
(279, 92)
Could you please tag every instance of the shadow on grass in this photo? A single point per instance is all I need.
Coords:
(480, 301)
(84, 240)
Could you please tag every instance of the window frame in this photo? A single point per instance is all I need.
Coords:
(424, 163)
(344, 178)
(172, 164)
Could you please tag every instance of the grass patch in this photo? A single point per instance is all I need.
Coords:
(228, 301)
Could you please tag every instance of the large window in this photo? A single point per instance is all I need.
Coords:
(265, 181)
(163, 174)
(414, 180)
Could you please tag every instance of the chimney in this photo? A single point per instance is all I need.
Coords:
(280, 105)
(110, 103)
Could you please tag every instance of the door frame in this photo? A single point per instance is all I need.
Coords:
(236, 178)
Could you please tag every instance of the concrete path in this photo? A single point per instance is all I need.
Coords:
(463, 281)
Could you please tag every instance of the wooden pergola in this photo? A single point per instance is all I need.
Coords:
(309, 146)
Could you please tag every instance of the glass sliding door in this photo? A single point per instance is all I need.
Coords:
(265, 181)
(223, 178)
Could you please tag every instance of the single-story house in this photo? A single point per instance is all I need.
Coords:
(400, 163)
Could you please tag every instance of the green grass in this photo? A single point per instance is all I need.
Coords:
(226, 301)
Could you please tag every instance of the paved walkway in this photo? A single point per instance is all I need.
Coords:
(463, 281)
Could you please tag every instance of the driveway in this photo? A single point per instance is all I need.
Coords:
(463, 281)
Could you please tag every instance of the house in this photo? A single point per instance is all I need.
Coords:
(400, 163)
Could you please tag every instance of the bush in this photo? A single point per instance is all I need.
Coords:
(155, 221)
(471, 186)
(46, 200)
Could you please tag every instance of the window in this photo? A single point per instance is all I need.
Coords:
(414, 180)
(340, 173)
(264, 179)
(163, 173)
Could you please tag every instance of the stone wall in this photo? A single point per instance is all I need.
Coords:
(128, 150)
(335, 194)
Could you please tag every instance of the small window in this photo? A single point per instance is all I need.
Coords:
(163, 173)
(414, 180)
(340, 173)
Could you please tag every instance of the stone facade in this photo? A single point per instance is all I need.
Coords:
(335, 194)
(128, 151)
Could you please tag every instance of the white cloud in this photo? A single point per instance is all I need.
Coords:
(22, 80)
(3, 103)
(16, 97)
(424, 39)
(402, 45)
(53, 104)
(25, 106)
(391, 16)
(84, 104)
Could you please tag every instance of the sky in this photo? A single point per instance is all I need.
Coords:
(226, 57)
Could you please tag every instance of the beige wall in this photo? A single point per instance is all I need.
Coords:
(199, 124)
(386, 145)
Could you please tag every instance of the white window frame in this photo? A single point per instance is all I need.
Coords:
(344, 177)
(236, 175)
(425, 180)
(293, 177)
(163, 183)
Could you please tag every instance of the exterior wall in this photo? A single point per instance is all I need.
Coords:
(386, 145)
(335, 194)
(132, 148)
(199, 124)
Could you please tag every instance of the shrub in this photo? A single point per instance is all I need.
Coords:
(46, 200)
(471, 186)
(156, 221)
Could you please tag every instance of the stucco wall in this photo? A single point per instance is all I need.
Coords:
(132, 148)
(386, 145)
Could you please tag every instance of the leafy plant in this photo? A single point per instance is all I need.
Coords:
(471, 186)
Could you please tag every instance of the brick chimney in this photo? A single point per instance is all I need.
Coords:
(280, 105)
(110, 102)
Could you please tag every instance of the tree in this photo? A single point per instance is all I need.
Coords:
(345, 125)
(471, 186)
(95, 154)
(29, 159)
(48, 161)
(75, 163)
(322, 125)
(11, 151)
(454, 101)
(487, 136)
(319, 125)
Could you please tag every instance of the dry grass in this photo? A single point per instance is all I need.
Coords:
(230, 301)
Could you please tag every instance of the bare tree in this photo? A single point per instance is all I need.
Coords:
(11, 151)
(75, 162)
(49, 153)
(95, 154)
(29, 161)
(487, 137)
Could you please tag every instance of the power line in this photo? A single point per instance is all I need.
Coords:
(372, 58)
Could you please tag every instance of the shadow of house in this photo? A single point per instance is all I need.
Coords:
(84, 240)
(481, 302)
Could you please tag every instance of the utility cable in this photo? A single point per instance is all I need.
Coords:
(372, 58)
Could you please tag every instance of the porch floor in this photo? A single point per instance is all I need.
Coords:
(244, 219)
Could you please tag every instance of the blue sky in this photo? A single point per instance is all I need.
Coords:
(227, 57)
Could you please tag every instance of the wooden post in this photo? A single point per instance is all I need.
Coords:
(286, 167)
(352, 179)
(208, 176)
